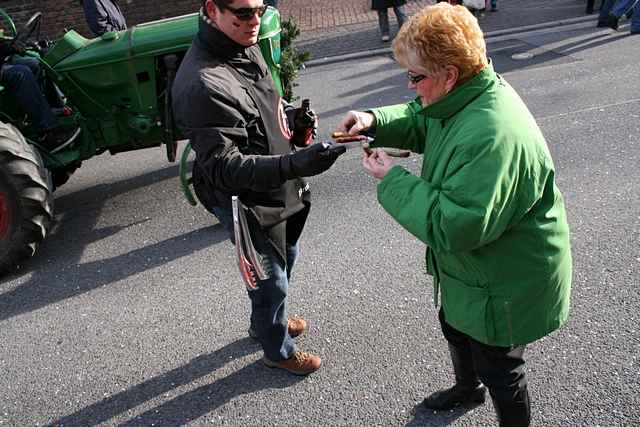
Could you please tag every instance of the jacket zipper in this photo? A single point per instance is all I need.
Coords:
(436, 279)
(507, 308)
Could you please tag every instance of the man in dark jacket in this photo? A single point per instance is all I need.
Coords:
(103, 16)
(226, 103)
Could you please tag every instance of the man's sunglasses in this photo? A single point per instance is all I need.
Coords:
(244, 13)
(415, 78)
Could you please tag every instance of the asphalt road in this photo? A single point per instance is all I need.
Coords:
(133, 312)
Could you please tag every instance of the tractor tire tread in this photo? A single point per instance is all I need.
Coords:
(23, 168)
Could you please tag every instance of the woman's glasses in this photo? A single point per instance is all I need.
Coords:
(245, 13)
(415, 78)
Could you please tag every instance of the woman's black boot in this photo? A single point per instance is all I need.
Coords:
(515, 412)
(467, 389)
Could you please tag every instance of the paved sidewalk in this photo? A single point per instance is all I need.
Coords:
(339, 27)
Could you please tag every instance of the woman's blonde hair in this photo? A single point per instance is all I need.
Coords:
(442, 35)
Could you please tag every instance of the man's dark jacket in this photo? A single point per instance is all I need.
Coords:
(103, 16)
(222, 122)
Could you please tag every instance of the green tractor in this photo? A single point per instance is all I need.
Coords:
(115, 91)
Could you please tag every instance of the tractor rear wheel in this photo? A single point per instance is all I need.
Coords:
(26, 201)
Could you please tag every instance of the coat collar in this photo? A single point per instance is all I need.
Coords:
(215, 41)
(457, 99)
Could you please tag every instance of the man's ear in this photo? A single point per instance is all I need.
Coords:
(210, 9)
(452, 76)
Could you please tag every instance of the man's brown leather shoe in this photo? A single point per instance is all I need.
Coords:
(300, 363)
(296, 325)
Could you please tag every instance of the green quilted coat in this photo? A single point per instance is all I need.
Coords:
(487, 207)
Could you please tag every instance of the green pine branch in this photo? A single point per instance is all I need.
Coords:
(291, 61)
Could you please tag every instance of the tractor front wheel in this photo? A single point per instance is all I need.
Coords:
(26, 201)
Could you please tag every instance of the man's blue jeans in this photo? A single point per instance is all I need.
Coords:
(269, 302)
(20, 79)
(619, 8)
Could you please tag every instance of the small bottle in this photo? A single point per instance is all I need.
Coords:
(303, 124)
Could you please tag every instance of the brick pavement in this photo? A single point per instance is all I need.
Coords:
(339, 27)
(332, 14)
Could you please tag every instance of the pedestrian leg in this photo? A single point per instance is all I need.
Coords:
(501, 369)
(635, 19)
(269, 321)
(383, 21)
(621, 7)
(24, 88)
(467, 388)
(603, 15)
(401, 15)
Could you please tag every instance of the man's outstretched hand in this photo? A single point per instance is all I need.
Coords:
(310, 161)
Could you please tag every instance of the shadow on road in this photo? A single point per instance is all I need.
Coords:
(47, 288)
(426, 417)
(393, 89)
(557, 53)
(589, 43)
(192, 404)
(57, 271)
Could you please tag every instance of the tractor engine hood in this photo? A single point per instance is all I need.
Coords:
(74, 52)
(120, 70)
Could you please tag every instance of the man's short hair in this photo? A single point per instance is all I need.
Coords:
(219, 2)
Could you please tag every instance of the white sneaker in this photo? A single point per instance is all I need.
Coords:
(385, 38)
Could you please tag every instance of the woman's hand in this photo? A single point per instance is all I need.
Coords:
(356, 122)
(377, 163)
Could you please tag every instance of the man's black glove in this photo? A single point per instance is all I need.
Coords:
(310, 161)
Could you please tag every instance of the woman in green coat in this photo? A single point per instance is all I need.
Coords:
(486, 205)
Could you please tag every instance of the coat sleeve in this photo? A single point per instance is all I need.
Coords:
(218, 146)
(485, 191)
(400, 126)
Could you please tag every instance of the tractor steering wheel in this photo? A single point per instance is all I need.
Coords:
(8, 25)
(31, 26)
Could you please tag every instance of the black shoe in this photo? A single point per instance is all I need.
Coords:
(54, 138)
(454, 397)
(602, 24)
(612, 22)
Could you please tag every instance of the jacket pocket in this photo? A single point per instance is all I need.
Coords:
(466, 308)
(502, 312)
